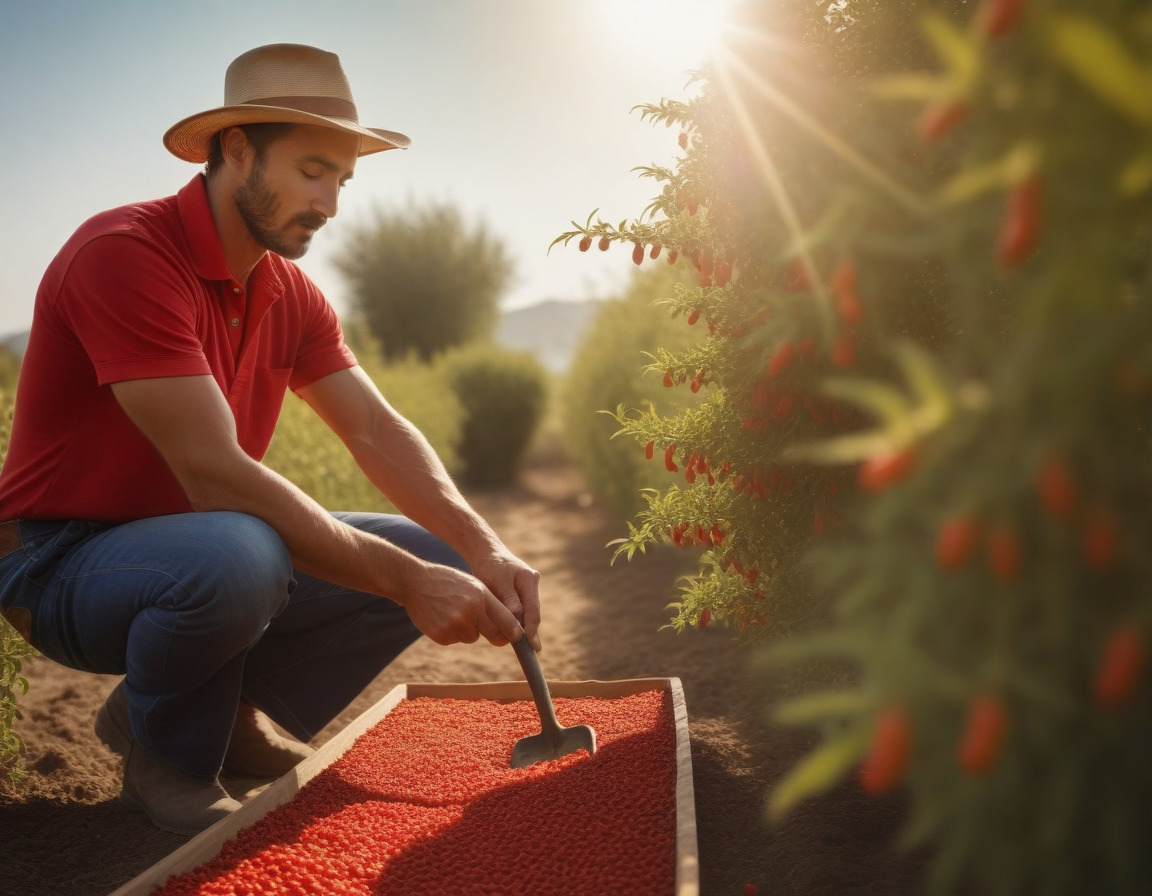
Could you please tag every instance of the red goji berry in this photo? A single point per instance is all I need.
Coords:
(638, 253)
(586, 244)
(844, 351)
(1101, 540)
(1018, 234)
(983, 738)
(1004, 553)
(683, 139)
(891, 747)
(1055, 486)
(605, 242)
(668, 381)
(956, 541)
(997, 17)
(694, 317)
(781, 358)
(940, 118)
(672, 256)
(649, 449)
(654, 252)
(884, 469)
(669, 458)
(1121, 666)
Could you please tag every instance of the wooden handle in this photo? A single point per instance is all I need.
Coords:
(530, 663)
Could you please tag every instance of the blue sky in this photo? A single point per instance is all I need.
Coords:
(519, 112)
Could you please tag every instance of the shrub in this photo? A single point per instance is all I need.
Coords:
(503, 395)
(12, 648)
(608, 373)
(305, 451)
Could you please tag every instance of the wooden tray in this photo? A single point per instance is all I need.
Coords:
(207, 845)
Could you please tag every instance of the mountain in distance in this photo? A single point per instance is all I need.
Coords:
(550, 331)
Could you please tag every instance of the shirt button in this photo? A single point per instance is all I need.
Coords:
(235, 321)
(236, 290)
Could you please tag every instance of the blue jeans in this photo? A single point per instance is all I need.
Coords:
(197, 610)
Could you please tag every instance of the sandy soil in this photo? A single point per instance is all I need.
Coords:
(68, 833)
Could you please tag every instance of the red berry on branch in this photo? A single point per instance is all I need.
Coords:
(649, 450)
(843, 351)
(654, 252)
(693, 317)
(891, 747)
(956, 541)
(705, 617)
(1101, 540)
(983, 737)
(638, 253)
(672, 256)
(1004, 553)
(604, 243)
(586, 244)
(997, 17)
(939, 118)
(882, 470)
(670, 458)
(1018, 233)
(683, 140)
(1055, 486)
(1121, 666)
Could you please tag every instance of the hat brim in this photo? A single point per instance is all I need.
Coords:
(190, 138)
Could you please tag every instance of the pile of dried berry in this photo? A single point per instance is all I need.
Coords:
(425, 802)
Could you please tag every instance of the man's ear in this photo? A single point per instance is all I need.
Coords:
(234, 147)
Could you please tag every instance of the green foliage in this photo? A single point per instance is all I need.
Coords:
(423, 280)
(503, 394)
(9, 369)
(12, 646)
(305, 451)
(920, 231)
(609, 376)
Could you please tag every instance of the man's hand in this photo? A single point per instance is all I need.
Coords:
(517, 585)
(451, 607)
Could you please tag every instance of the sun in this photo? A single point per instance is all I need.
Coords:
(685, 33)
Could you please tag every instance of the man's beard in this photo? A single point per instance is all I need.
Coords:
(257, 205)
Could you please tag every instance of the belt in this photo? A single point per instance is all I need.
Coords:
(10, 538)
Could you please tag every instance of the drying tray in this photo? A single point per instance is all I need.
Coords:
(206, 845)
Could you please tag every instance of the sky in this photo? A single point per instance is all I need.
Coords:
(520, 113)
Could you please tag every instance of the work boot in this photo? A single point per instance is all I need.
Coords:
(173, 802)
(257, 750)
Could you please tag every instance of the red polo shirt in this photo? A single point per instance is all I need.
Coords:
(139, 292)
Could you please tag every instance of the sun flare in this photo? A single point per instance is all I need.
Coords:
(684, 32)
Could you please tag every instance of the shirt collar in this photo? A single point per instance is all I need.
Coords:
(203, 241)
(205, 248)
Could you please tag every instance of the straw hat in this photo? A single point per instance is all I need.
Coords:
(288, 83)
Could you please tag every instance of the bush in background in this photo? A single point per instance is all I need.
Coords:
(305, 451)
(503, 394)
(608, 373)
(12, 646)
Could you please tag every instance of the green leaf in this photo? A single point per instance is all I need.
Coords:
(843, 449)
(822, 706)
(817, 772)
(1095, 56)
(1011, 168)
(881, 400)
(925, 88)
(957, 49)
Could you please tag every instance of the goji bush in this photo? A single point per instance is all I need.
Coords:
(426, 802)
(920, 233)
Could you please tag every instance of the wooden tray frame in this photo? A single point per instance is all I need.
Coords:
(207, 845)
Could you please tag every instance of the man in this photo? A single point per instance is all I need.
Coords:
(144, 536)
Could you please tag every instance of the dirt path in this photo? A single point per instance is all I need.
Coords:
(68, 834)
